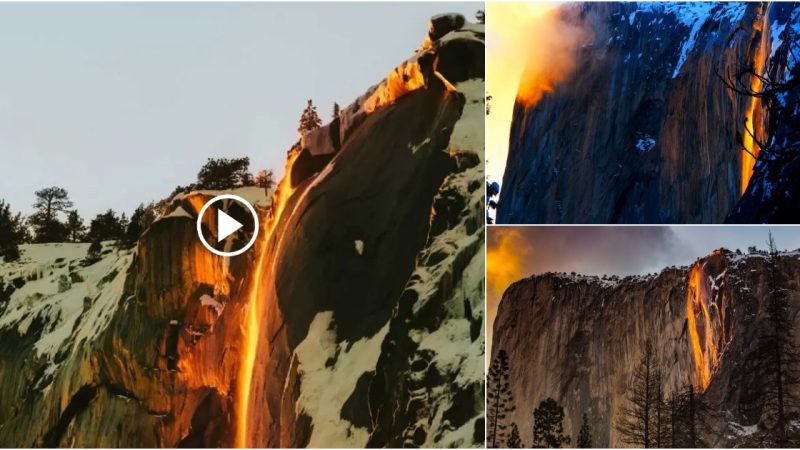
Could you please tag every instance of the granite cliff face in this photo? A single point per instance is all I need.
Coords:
(578, 339)
(644, 130)
(356, 319)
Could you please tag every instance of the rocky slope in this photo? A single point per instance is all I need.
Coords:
(644, 131)
(359, 310)
(578, 339)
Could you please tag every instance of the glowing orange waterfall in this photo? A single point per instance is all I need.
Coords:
(695, 306)
(705, 315)
(254, 308)
(753, 115)
(251, 327)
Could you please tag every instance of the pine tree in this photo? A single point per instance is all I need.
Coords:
(335, 113)
(660, 425)
(141, 219)
(94, 253)
(12, 233)
(548, 425)
(224, 173)
(75, 227)
(49, 203)
(687, 418)
(514, 441)
(635, 424)
(673, 405)
(691, 416)
(107, 227)
(585, 434)
(499, 401)
(309, 120)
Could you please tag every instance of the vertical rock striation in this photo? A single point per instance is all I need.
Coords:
(644, 131)
(578, 339)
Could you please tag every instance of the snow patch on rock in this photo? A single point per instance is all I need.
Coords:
(322, 400)
(468, 134)
(75, 303)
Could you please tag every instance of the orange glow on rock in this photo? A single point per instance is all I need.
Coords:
(252, 322)
(695, 306)
(753, 116)
(532, 50)
(705, 309)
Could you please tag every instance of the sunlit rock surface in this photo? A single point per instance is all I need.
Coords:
(369, 281)
(579, 338)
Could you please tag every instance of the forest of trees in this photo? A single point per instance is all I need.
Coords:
(652, 420)
(56, 220)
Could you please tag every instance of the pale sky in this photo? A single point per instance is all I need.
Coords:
(121, 102)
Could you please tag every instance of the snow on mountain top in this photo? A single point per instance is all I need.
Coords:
(692, 15)
(689, 13)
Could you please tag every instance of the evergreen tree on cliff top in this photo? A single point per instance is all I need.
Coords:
(636, 420)
(548, 425)
(514, 441)
(107, 227)
(45, 221)
(12, 233)
(75, 227)
(224, 173)
(309, 120)
(499, 401)
(585, 434)
(777, 355)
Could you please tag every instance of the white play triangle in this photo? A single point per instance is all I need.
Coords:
(226, 225)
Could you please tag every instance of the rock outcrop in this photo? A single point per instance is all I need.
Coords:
(579, 338)
(644, 130)
(360, 308)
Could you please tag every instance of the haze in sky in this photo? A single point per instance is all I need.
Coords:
(514, 253)
(121, 102)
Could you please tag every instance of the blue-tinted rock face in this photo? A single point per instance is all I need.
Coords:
(644, 130)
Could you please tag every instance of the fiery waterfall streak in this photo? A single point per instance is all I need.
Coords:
(753, 117)
(695, 300)
(703, 335)
(252, 323)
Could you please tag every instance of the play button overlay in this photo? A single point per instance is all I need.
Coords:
(227, 225)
